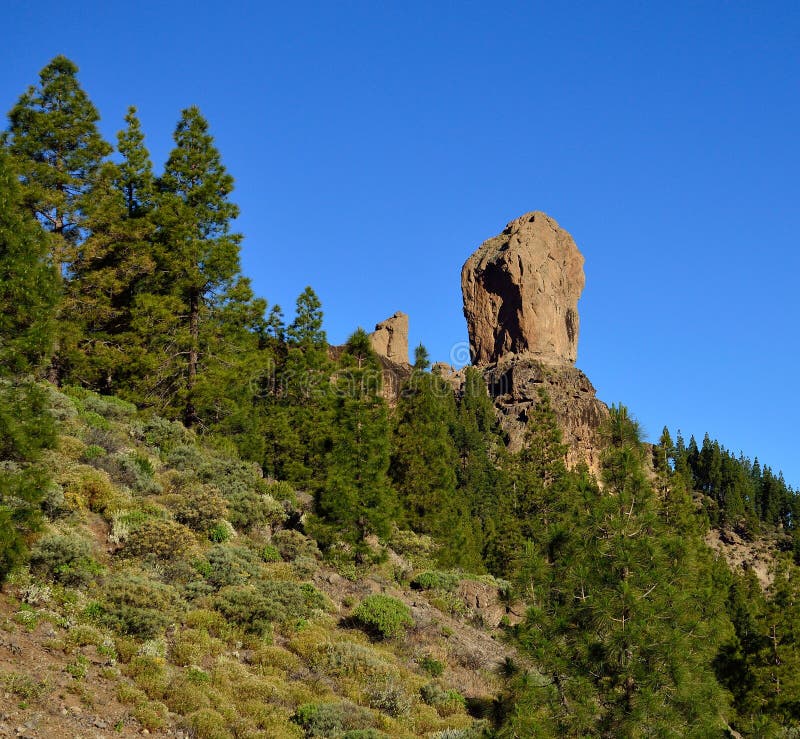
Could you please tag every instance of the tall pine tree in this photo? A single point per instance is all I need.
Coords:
(198, 256)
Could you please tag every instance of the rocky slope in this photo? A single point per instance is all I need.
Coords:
(171, 594)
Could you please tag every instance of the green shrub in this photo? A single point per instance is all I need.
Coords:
(131, 469)
(270, 553)
(87, 487)
(159, 538)
(221, 532)
(411, 544)
(230, 565)
(281, 490)
(432, 666)
(135, 604)
(333, 719)
(249, 508)
(446, 702)
(92, 453)
(292, 544)
(346, 658)
(23, 686)
(198, 507)
(185, 457)
(67, 558)
(383, 616)
(208, 724)
(152, 715)
(160, 433)
(436, 580)
(107, 406)
(255, 606)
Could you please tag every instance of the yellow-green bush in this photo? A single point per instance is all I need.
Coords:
(208, 724)
(87, 487)
(67, 558)
(191, 646)
(199, 507)
(160, 538)
(149, 674)
(136, 604)
(333, 719)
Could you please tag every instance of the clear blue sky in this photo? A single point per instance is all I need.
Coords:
(376, 145)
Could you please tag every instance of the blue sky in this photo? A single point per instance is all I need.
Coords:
(376, 145)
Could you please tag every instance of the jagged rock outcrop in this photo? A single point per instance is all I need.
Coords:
(521, 291)
(390, 338)
(514, 383)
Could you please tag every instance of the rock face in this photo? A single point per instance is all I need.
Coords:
(521, 291)
(390, 338)
(514, 384)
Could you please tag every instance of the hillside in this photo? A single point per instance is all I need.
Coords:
(172, 591)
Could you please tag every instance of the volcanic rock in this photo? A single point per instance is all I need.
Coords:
(521, 291)
(390, 339)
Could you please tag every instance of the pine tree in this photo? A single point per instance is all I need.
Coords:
(199, 255)
(28, 287)
(483, 482)
(632, 618)
(112, 268)
(28, 294)
(424, 464)
(298, 409)
(136, 180)
(56, 145)
(355, 501)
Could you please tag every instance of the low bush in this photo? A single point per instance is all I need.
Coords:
(159, 433)
(229, 565)
(292, 544)
(137, 605)
(248, 508)
(431, 665)
(159, 538)
(388, 696)
(383, 616)
(346, 658)
(107, 406)
(198, 507)
(87, 487)
(436, 580)
(333, 719)
(255, 606)
(67, 558)
(129, 468)
(446, 702)
(208, 724)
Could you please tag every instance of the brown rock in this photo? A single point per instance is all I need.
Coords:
(390, 339)
(514, 384)
(521, 291)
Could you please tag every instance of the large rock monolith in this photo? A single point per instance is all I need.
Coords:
(521, 291)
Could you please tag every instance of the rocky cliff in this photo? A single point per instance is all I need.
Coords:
(520, 291)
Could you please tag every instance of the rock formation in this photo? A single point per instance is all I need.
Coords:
(521, 291)
(390, 338)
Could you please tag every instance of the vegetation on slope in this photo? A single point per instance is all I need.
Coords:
(230, 531)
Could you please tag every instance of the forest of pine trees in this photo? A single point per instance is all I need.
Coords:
(124, 279)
